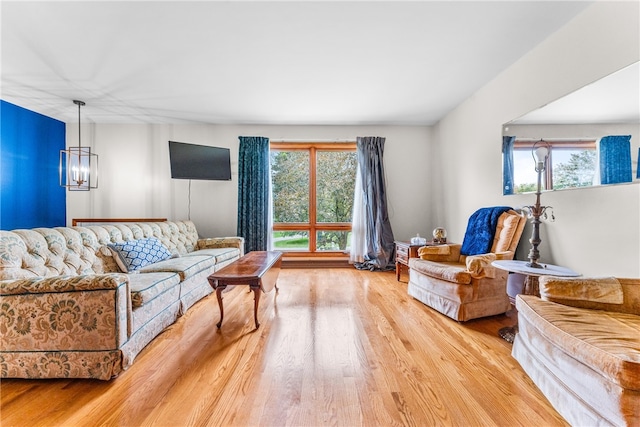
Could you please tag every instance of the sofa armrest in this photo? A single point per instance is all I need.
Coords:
(479, 266)
(449, 252)
(58, 284)
(598, 293)
(82, 313)
(222, 242)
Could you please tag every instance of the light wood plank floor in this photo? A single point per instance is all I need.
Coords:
(335, 347)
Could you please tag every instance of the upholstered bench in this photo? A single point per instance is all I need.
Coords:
(580, 344)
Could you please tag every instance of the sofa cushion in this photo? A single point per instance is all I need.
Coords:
(13, 251)
(605, 341)
(220, 254)
(451, 272)
(505, 230)
(145, 287)
(185, 266)
(135, 254)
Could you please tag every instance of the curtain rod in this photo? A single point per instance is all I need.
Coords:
(569, 139)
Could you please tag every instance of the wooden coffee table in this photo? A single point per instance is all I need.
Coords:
(258, 269)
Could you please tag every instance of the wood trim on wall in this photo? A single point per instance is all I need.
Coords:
(76, 221)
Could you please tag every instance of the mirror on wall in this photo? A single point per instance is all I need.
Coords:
(593, 135)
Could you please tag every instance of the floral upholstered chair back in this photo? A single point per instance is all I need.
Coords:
(47, 252)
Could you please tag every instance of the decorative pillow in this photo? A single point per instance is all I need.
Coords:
(595, 289)
(135, 254)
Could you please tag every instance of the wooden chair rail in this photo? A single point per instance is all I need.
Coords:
(76, 221)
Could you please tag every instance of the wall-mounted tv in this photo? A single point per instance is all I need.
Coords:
(191, 161)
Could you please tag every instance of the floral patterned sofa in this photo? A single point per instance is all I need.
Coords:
(67, 310)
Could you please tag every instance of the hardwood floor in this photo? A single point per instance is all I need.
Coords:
(335, 347)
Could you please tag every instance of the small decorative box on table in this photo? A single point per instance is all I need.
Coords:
(258, 269)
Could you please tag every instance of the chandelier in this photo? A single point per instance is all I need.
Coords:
(78, 166)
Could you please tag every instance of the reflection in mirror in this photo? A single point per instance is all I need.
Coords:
(593, 135)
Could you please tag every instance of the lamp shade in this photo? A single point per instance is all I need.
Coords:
(541, 154)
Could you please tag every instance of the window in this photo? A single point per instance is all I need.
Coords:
(313, 187)
(571, 164)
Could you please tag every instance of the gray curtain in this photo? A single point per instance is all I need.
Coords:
(379, 236)
(253, 192)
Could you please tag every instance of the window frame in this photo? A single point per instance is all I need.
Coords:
(313, 226)
(558, 144)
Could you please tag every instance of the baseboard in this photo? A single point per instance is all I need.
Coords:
(310, 262)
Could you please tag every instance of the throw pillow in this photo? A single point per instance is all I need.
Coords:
(606, 290)
(135, 254)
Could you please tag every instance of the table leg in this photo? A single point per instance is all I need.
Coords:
(256, 301)
(531, 287)
(219, 290)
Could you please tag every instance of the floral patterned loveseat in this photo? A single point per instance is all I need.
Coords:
(67, 310)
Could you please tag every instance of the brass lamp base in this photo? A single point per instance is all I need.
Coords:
(534, 264)
(508, 333)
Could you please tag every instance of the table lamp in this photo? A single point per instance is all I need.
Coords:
(540, 153)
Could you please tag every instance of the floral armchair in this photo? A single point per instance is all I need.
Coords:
(458, 280)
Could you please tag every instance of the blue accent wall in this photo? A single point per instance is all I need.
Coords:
(30, 192)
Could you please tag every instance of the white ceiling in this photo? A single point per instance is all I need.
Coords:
(240, 62)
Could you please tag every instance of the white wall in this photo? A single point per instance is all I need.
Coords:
(135, 179)
(597, 230)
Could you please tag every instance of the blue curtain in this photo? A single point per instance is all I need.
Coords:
(638, 165)
(253, 192)
(507, 164)
(380, 244)
(615, 159)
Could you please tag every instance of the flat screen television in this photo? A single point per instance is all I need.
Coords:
(191, 161)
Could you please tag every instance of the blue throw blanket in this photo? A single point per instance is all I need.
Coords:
(481, 230)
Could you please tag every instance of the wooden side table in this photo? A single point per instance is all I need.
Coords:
(404, 252)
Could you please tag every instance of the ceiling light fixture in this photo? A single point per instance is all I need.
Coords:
(78, 167)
